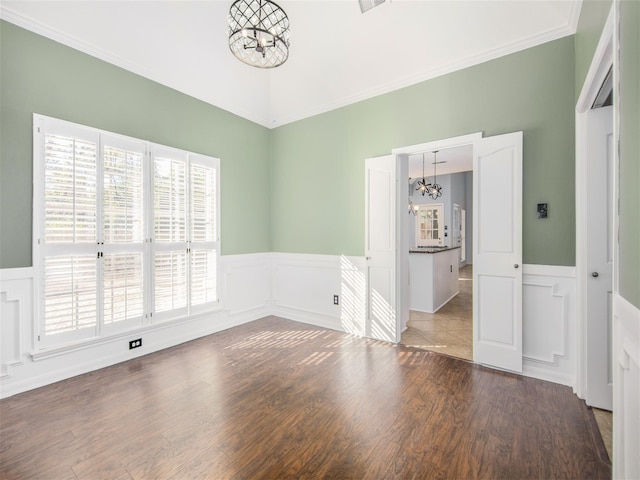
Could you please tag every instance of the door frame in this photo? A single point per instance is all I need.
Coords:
(602, 61)
(401, 155)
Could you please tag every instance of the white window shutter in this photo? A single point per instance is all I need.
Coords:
(124, 229)
(70, 190)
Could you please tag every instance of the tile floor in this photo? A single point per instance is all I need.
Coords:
(604, 419)
(450, 331)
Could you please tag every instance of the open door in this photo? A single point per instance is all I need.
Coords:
(599, 219)
(497, 252)
(380, 248)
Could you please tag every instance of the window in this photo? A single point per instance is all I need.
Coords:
(429, 224)
(125, 232)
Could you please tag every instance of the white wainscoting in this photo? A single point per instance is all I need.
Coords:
(626, 389)
(245, 294)
(16, 299)
(549, 323)
(304, 286)
(298, 287)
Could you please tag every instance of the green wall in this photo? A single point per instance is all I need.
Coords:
(41, 76)
(310, 174)
(318, 163)
(629, 277)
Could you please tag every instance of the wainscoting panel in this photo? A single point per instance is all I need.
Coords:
(626, 389)
(247, 284)
(304, 287)
(16, 297)
(549, 323)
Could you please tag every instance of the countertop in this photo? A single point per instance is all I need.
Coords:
(431, 249)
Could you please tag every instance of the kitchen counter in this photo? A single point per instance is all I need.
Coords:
(433, 278)
(431, 249)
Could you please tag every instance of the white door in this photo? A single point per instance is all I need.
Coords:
(380, 248)
(599, 257)
(497, 252)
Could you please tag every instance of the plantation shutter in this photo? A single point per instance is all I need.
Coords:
(68, 263)
(126, 233)
(123, 233)
(169, 232)
(203, 231)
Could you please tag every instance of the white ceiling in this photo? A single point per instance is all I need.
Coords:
(458, 159)
(338, 55)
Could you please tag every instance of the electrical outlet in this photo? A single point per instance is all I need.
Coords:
(336, 300)
(135, 343)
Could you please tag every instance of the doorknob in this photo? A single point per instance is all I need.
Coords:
(595, 274)
(516, 266)
(367, 258)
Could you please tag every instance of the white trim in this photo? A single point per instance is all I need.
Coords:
(626, 385)
(442, 144)
(602, 60)
(629, 315)
(19, 273)
(549, 270)
(574, 15)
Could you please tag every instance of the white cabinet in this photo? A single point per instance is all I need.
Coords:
(433, 278)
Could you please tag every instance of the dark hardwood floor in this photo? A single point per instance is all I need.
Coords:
(277, 399)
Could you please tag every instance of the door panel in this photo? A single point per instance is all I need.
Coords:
(599, 221)
(380, 239)
(497, 252)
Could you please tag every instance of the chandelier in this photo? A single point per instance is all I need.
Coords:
(413, 209)
(434, 190)
(423, 186)
(259, 33)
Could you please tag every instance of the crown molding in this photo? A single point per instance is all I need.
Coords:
(533, 41)
(574, 15)
(77, 44)
(84, 47)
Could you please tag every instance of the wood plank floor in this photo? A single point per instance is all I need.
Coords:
(278, 399)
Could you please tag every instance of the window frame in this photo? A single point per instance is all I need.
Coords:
(98, 249)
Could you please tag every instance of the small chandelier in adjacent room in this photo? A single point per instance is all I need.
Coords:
(434, 190)
(259, 33)
(423, 186)
(413, 209)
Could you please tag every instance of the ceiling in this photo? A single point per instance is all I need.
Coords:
(450, 160)
(338, 55)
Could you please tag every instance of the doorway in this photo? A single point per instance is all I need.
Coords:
(497, 246)
(447, 328)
